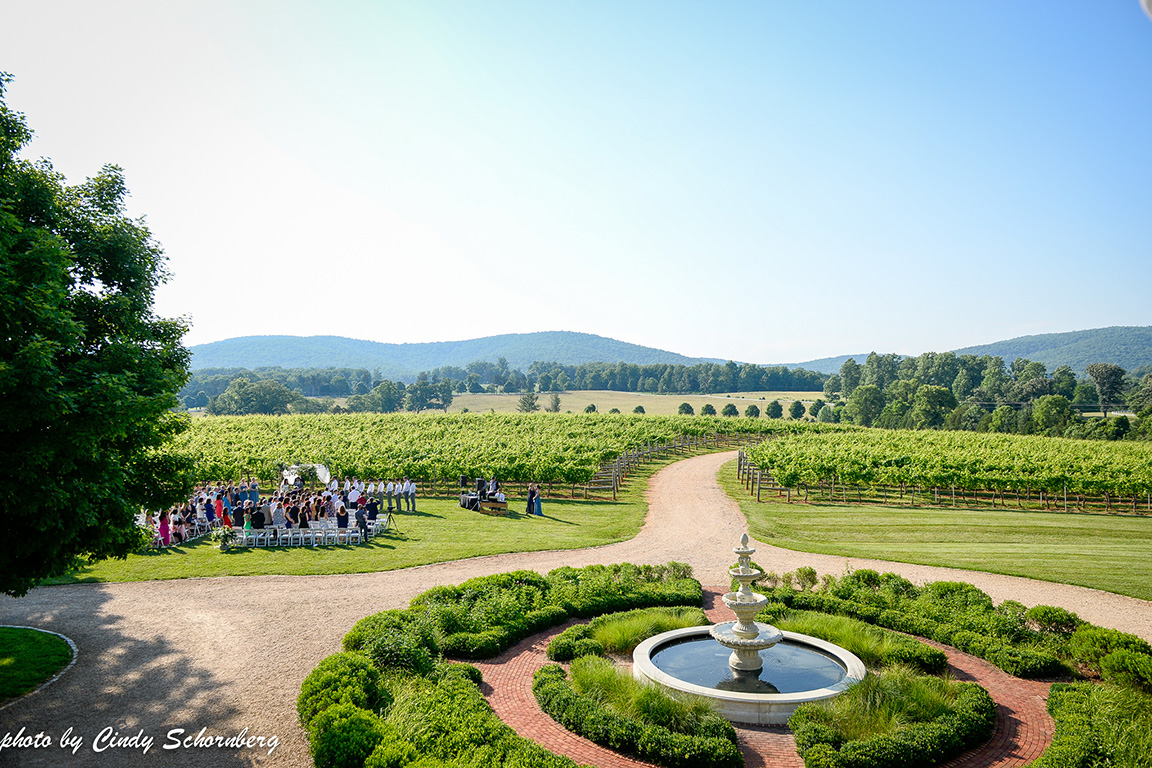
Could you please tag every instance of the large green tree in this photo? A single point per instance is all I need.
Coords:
(88, 373)
(865, 405)
(1109, 380)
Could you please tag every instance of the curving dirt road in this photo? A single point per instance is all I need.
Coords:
(229, 654)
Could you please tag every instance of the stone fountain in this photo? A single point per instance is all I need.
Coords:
(745, 636)
(754, 672)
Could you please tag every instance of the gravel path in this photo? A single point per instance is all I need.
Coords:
(229, 654)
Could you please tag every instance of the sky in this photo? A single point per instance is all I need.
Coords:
(760, 181)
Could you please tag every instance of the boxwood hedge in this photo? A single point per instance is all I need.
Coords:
(594, 721)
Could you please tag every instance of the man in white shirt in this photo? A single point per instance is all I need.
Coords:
(353, 497)
(391, 492)
(371, 488)
(410, 494)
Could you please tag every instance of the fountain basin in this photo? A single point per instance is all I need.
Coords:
(816, 670)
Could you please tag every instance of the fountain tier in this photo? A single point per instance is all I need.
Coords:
(800, 669)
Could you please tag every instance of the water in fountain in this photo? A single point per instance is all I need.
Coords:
(754, 672)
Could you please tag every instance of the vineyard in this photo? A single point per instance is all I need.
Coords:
(562, 448)
(1053, 470)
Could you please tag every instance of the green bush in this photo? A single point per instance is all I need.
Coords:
(944, 731)
(622, 632)
(874, 646)
(344, 735)
(598, 589)
(584, 716)
(392, 753)
(447, 719)
(572, 643)
(399, 650)
(1048, 618)
(1128, 669)
(341, 678)
(1098, 725)
(369, 628)
(1090, 644)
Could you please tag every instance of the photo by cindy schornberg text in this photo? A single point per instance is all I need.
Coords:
(111, 740)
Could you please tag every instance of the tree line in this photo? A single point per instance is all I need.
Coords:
(983, 394)
(230, 391)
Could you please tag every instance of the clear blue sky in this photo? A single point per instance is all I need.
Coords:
(761, 181)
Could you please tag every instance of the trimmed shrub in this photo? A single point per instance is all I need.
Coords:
(344, 735)
(447, 719)
(369, 628)
(1090, 644)
(599, 724)
(341, 678)
(1128, 668)
(1048, 618)
(1097, 725)
(398, 650)
(392, 753)
(969, 722)
(573, 643)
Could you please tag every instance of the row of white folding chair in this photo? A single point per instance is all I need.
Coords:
(311, 537)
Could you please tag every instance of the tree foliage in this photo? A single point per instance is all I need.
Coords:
(1109, 380)
(527, 403)
(88, 374)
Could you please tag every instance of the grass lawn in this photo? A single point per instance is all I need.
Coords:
(27, 658)
(438, 531)
(1108, 552)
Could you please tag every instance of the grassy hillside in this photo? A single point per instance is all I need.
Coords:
(1129, 347)
(406, 360)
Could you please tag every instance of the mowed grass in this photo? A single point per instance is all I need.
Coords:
(28, 657)
(1108, 552)
(606, 400)
(438, 531)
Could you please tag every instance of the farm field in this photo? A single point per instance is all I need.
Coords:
(1108, 552)
(606, 400)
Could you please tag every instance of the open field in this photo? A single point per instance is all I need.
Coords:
(606, 400)
(1108, 552)
(439, 530)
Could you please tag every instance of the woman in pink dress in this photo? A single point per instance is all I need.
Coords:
(165, 532)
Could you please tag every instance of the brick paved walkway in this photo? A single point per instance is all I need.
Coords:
(1023, 726)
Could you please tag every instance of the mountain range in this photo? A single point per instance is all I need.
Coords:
(1127, 346)
(404, 361)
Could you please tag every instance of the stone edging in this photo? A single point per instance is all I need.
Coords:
(55, 677)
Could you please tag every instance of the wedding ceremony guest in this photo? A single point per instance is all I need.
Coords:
(362, 521)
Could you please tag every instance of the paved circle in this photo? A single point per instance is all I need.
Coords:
(229, 654)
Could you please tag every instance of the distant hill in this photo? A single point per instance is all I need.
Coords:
(1129, 347)
(397, 361)
(828, 364)
(1126, 346)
